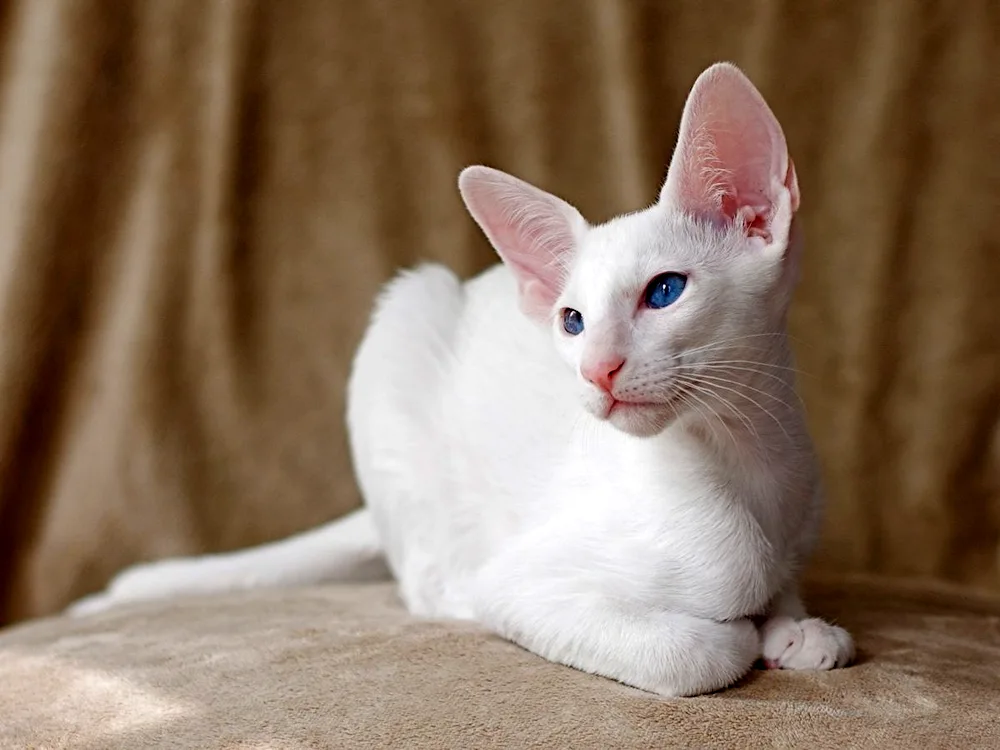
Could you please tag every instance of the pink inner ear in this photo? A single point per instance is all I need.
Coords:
(731, 163)
(535, 233)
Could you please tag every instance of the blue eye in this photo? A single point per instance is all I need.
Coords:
(664, 290)
(572, 321)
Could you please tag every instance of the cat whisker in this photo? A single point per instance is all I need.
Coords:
(586, 428)
(676, 358)
(737, 384)
(771, 335)
(725, 365)
(783, 368)
(735, 339)
(723, 383)
(685, 397)
(734, 356)
(780, 382)
(692, 383)
(714, 386)
(786, 385)
(716, 362)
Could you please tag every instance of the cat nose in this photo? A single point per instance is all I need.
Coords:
(602, 372)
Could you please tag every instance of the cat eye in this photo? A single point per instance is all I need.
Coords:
(664, 290)
(572, 321)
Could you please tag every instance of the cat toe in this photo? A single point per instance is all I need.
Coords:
(807, 644)
(781, 639)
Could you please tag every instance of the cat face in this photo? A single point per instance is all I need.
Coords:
(660, 309)
(648, 307)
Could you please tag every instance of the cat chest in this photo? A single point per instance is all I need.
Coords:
(699, 546)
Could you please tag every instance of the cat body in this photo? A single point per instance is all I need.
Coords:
(659, 516)
(594, 448)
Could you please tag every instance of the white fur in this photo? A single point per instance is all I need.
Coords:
(634, 542)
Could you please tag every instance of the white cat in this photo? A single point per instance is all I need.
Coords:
(618, 475)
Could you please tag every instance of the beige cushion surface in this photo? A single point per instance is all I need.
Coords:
(346, 667)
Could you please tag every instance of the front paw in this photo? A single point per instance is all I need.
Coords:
(805, 644)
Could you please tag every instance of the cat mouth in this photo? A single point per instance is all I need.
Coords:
(617, 405)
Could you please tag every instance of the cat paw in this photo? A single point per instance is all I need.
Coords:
(805, 644)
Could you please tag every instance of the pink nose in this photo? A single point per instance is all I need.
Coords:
(602, 372)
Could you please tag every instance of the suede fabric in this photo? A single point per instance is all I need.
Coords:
(346, 667)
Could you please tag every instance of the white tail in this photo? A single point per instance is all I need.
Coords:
(347, 549)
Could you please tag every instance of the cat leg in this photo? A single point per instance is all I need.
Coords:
(567, 612)
(347, 549)
(790, 639)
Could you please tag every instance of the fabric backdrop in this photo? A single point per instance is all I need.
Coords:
(198, 200)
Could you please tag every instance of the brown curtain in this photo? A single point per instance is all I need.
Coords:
(199, 198)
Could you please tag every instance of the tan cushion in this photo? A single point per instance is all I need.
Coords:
(346, 667)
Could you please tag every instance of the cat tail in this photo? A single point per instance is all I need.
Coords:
(347, 549)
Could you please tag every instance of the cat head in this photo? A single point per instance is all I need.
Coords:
(648, 307)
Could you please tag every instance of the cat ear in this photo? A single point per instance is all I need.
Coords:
(731, 164)
(534, 233)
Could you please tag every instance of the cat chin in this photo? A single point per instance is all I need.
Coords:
(643, 421)
(639, 420)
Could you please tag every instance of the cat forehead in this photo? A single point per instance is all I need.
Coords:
(629, 250)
